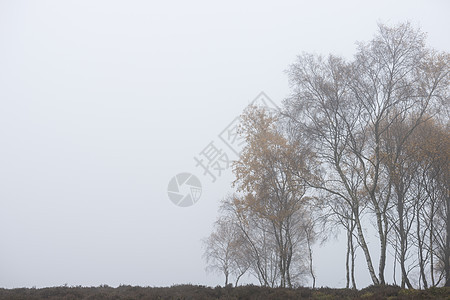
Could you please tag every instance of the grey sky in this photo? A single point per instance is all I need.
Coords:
(103, 102)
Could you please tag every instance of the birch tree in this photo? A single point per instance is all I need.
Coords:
(344, 108)
(267, 176)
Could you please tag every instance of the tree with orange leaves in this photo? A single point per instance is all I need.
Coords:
(267, 175)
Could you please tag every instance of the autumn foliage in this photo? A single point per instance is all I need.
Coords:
(359, 143)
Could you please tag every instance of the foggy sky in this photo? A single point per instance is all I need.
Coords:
(103, 102)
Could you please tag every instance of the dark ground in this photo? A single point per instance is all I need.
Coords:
(203, 292)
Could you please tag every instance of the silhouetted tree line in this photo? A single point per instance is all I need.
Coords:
(361, 142)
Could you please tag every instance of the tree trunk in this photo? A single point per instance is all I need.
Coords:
(237, 279)
(447, 244)
(403, 241)
(365, 249)
(347, 266)
(352, 255)
(382, 263)
(311, 270)
(420, 250)
(433, 282)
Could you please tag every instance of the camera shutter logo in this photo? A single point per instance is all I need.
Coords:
(184, 189)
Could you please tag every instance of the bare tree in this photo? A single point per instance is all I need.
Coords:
(322, 112)
(258, 248)
(345, 109)
(224, 250)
